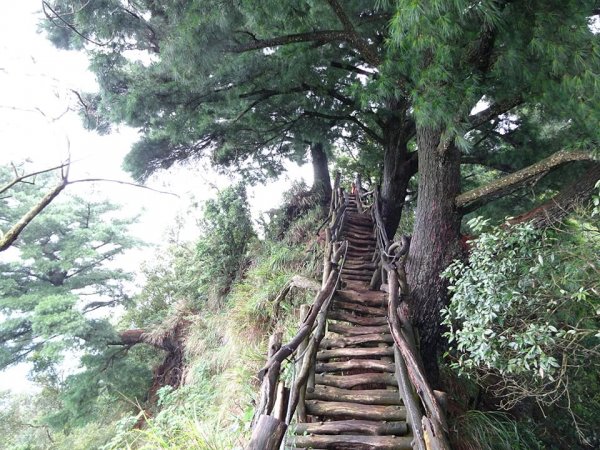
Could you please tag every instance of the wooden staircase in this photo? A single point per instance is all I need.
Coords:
(355, 403)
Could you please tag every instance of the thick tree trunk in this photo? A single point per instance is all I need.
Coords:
(435, 241)
(398, 168)
(322, 181)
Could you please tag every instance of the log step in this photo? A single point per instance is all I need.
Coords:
(366, 427)
(355, 352)
(355, 364)
(350, 330)
(355, 442)
(351, 381)
(357, 286)
(358, 268)
(354, 277)
(359, 308)
(366, 298)
(355, 410)
(357, 320)
(360, 239)
(346, 341)
(364, 397)
(354, 266)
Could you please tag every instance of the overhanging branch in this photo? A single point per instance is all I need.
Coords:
(313, 36)
(492, 111)
(475, 198)
(570, 197)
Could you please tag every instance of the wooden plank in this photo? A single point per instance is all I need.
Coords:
(358, 320)
(355, 410)
(351, 381)
(367, 427)
(350, 330)
(365, 397)
(352, 265)
(363, 364)
(346, 341)
(356, 442)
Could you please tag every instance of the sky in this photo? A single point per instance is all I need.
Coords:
(39, 126)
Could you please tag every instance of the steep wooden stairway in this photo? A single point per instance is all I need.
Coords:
(355, 403)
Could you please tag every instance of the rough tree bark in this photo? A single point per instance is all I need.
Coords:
(398, 167)
(435, 240)
(322, 181)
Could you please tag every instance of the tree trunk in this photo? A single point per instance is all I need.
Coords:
(398, 168)
(435, 241)
(322, 181)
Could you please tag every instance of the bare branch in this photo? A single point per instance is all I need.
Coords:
(11, 235)
(475, 198)
(365, 49)
(20, 178)
(71, 27)
(313, 36)
(126, 183)
(569, 198)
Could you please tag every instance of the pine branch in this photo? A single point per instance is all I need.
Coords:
(365, 49)
(492, 111)
(346, 118)
(71, 27)
(313, 36)
(351, 68)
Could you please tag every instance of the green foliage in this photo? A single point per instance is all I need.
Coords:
(452, 54)
(300, 206)
(196, 92)
(61, 273)
(523, 320)
(54, 286)
(225, 348)
(227, 232)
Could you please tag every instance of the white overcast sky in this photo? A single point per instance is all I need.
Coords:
(38, 123)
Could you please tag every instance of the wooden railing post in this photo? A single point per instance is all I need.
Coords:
(267, 434)
(267, 389)
(299, 383)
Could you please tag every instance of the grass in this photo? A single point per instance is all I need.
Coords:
(491, 431)
(224, 350)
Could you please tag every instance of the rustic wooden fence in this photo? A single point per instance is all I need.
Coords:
(425, 415)
(279, 402)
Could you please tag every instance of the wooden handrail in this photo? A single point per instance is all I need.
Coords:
(426, 416)
(278, 403)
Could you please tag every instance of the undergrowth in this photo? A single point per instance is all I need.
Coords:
(226, 347)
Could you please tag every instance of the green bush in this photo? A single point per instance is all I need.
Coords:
(524, 317)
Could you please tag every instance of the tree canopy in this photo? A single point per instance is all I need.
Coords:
(478, 99)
